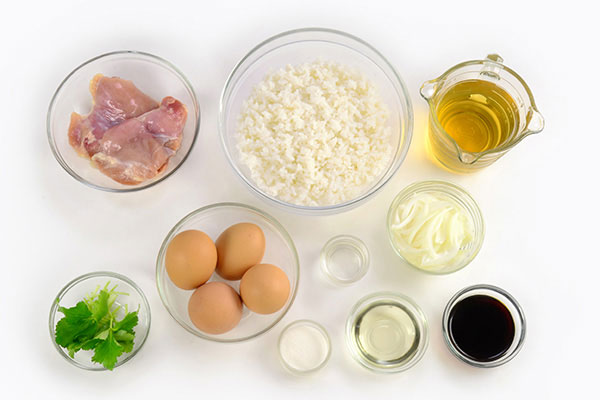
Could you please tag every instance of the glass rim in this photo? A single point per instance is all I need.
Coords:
(503, 294)
(403, 95)
(59, 89)
(73, 283)
(163, 249)
(358, 245)
(458, 193)
(321, 330)
(417, 316)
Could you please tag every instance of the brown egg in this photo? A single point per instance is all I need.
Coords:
(265, 288)
(191, 259)
(239, 247)
(215, 308)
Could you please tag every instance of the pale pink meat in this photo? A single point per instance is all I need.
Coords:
(139, 148)
(115, 100)
(166, 122)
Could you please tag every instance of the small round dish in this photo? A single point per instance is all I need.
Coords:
(387, 332)
(460, 197)
(307, 45)
(512, 307)
(345, 259)
(304, 347)
(213, 220)
(82, 286)
(153, 76)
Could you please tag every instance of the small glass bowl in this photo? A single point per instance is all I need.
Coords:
(153, 76)
(463, 199)
(409, 310)
(306, 45)
(515, 311)
(345, 259)
(82, 286)
(315, 344)
(213, 220)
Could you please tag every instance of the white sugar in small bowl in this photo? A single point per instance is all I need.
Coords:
(304, 347)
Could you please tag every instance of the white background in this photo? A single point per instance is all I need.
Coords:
(539, 202)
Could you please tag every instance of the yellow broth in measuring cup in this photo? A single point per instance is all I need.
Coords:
(478, 111)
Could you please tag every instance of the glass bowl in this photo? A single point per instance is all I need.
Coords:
(305, 45)
(213, 220)
(82, 286)
(304, 347)
(152, 75)
(460, 197)
(387, 332)
(511, 305)
(344, 259)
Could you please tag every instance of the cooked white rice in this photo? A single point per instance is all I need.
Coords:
(314, 134)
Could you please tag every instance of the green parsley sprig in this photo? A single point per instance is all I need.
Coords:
(92, 324)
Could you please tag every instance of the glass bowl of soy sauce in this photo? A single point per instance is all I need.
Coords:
(484, 326)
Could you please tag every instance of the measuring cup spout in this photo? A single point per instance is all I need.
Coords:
(428, 89)
(536, 121)
(467, 158)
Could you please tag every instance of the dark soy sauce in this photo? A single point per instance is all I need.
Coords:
(481, 328)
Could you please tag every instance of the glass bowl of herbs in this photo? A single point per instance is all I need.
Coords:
(99, 321)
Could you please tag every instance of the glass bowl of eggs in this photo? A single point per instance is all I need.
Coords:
(227, 272)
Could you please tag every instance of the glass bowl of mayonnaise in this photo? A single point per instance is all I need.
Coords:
(435, 226)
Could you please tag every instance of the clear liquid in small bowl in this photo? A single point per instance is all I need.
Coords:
(386, 334)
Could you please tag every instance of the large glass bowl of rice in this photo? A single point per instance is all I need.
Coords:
(315, 121)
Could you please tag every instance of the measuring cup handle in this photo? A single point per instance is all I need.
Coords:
(495, 57)
(492, 66)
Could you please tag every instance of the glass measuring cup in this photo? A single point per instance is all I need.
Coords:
(525, 121)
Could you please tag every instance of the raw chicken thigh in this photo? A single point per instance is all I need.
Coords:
(139, 148)
(115, 100)
(127, 135)
(166, 123)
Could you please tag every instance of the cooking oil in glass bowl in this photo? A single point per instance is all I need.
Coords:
(387, 332)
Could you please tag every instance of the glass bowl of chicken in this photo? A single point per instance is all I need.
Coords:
(123, 121)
